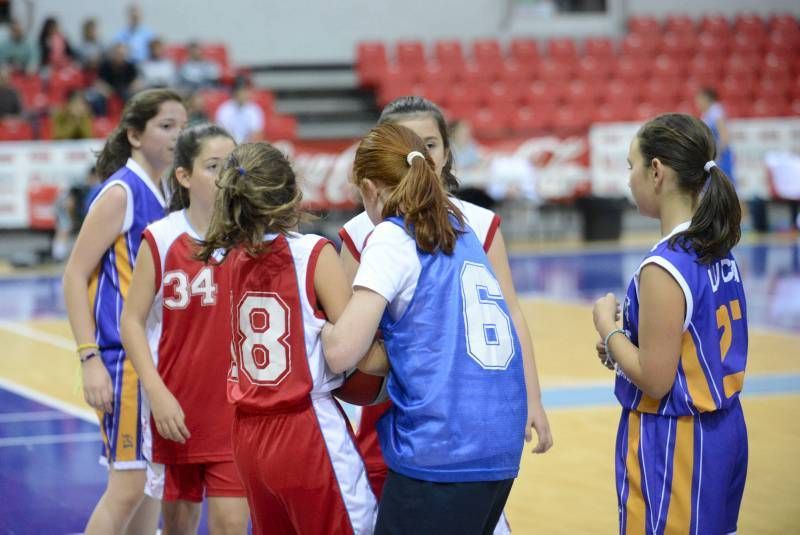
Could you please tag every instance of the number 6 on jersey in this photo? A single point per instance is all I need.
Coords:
(263, 321)
(489, 336)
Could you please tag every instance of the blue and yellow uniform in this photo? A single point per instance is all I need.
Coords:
(681, 461)
(457, 383)
(108, 287)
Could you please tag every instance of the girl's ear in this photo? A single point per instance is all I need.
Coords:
(134, 138)
(182, 176)
(657, 168)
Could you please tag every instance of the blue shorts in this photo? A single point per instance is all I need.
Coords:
(681, 474)
(122, 428)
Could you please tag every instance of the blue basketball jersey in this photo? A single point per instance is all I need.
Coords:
(714, 348)
(457, 382)
(109, 284)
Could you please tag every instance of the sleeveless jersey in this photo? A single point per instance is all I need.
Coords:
(457, 383)
(276, 326)
(714, 348)
(190, 344)
(109, 284)
(484, 224)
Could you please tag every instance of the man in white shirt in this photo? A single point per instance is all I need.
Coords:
(241, 117)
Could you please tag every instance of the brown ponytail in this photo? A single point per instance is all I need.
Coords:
(415, 192)
(258, 194)
(686, 144)
(142, 107)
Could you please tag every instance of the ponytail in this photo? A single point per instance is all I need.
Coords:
(415, 192)
(425, 207)
(715, 227)
(686, 145)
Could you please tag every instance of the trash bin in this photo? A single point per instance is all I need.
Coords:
(601, 217)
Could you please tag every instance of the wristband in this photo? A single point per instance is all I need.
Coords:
(92, 345)
(609, 359)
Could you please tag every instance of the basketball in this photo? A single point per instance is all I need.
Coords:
(362, 389)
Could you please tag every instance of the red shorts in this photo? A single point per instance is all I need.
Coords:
(191, 482)
(302, 472)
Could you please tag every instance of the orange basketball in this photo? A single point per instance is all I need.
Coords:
(361, 388)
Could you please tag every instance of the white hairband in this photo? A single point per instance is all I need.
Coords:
(413, 154)
(710, 164)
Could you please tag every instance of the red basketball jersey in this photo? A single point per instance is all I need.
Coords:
(190, 343)
(276, 325)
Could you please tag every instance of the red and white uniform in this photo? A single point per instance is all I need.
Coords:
(354, 236)
(292, 444)
(192, 355)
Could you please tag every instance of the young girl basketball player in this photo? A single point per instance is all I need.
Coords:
(178, 303)
(426, 120)
(680, 356)
(291, 442)
(96, 281)
(454, 434)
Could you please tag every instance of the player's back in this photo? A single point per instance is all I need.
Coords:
(276, 325)
(191, 351)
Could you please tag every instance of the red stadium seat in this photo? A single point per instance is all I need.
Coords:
(665, 66)
(449, 52)
(432, 90)
(462, 97)
(784, 22)
(630, 68)
(555, 71)
(264, 99)
(743, 65)
(662, 92)
(745, 44)
(410, 54)
(371, 62)
(474, 73)
(515, 72)
(572, 120)
(644, 25)
(678, 46)
(778, 89)
(736, 88)
(215, 53)
(213, 99)
(620, 90)
(783, 43)
(600, 48)
(62, 82)
(770, 108)
(591, 68)
(679, 24)
(176, 52)
(749, 23)
(562, 48)
(701, 66)
(489, 123)
(486, 50)
(646, 111)
(525, 50)
(579, 93)
(738, 108)
(794, 107)
(12, 129)
(102, 127)
(45, 129)
(638, 45)
(541, 95)
(498, 95)
(434, 71)
(715, 26)
(711, 46)
(280, 128)
(531, 120)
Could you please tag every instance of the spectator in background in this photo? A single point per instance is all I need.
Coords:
(196, 109)
(136, 37)
(713, 114)
(73, 120)
(10, 103)
(158, 70)
(90, 49)
(466, 154)
(197, 72)
(240, 116)
(17, 51)
(117, 74)
(54, 48)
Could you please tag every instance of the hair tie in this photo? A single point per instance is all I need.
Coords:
(241, 170)
(413, 154)
(710, 164)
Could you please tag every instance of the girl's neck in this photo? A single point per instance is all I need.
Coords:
(153, 173)
(674, 211)
(199, 218)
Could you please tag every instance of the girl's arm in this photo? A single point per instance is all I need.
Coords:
(358, 346)
(167, 413)
(662, 309)
(100, 229)
(537, 418)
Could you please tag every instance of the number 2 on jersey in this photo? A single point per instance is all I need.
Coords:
(490, 341)
(263, 322)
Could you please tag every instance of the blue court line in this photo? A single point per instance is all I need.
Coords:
(603, 396)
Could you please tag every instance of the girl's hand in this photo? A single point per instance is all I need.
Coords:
(168, 415)
(601, 354)
(537, 419)
(606, 313)
(97, 389)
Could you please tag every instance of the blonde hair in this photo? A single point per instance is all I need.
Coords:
(415, 190)
(258, 194)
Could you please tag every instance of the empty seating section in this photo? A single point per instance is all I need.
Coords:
(41, 96)
(562, 85)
